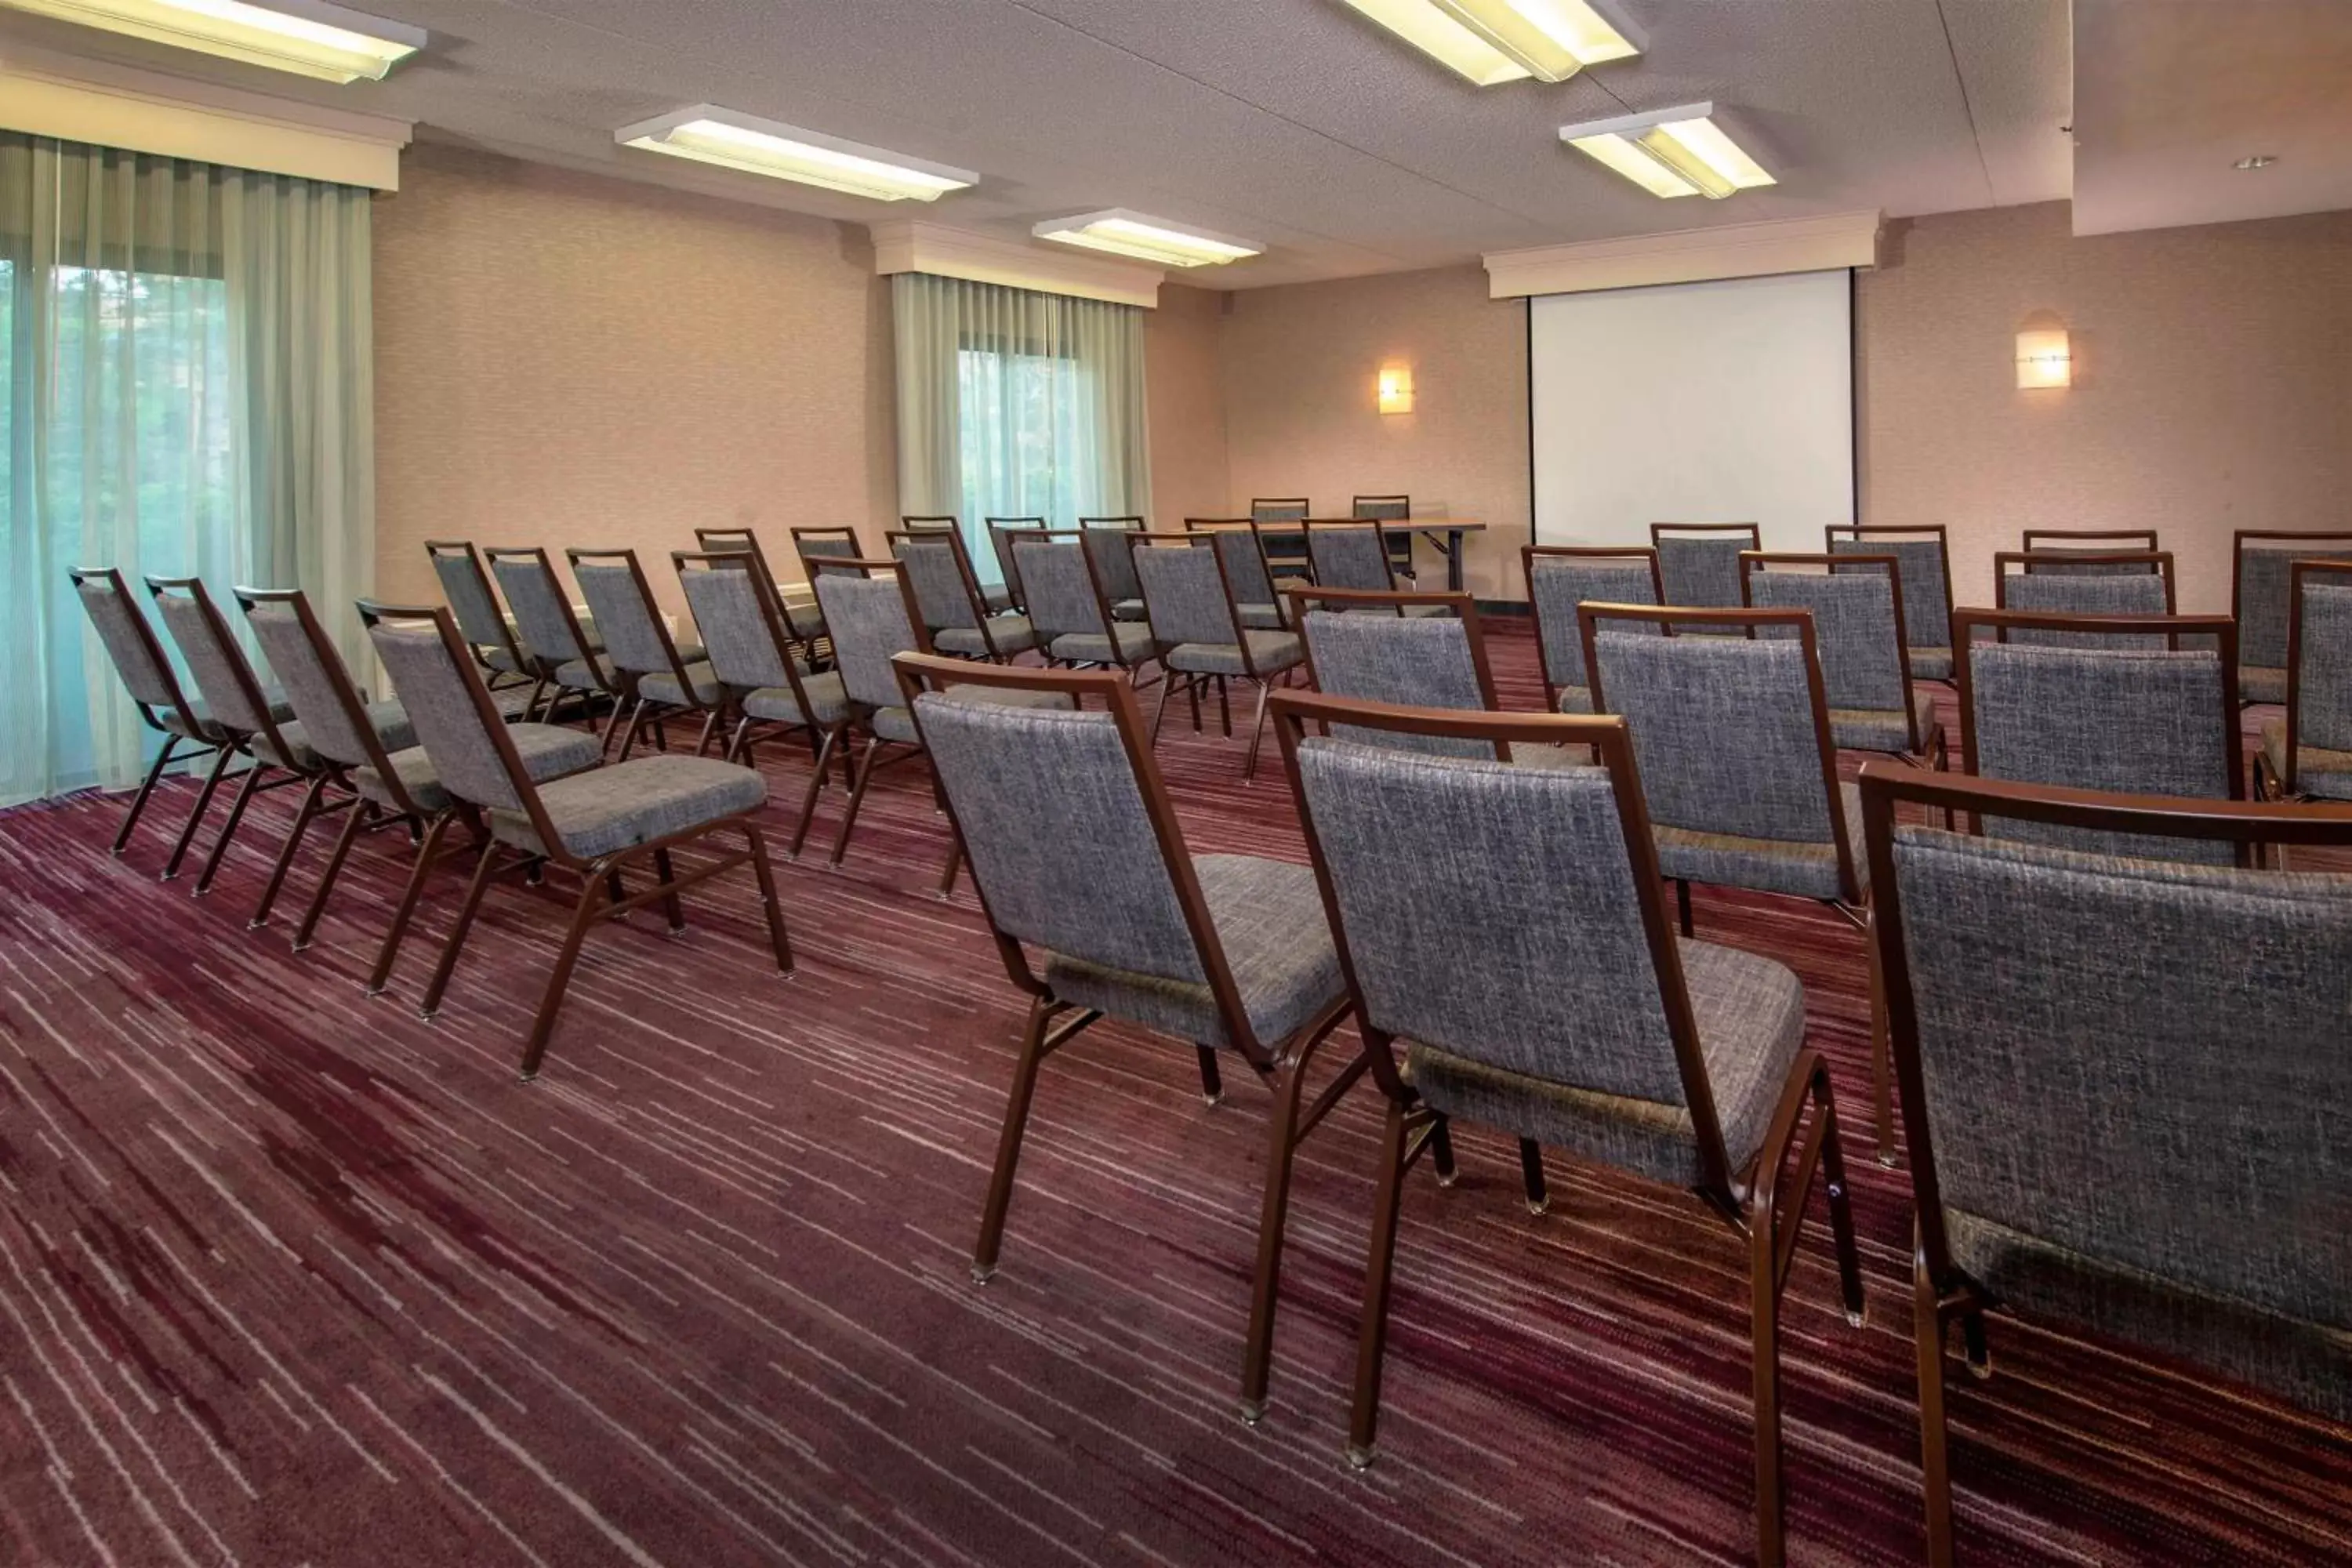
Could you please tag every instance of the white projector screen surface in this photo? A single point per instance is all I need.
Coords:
(1722, 402)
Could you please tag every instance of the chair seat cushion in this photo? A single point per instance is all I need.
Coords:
(612, 809)
(664, 688)
(2306, 1363)
(998, 599)
(1766, 864)
(897, 724)
(1883, 730)
(1260, 618)
(1269, 918)
(1272, 652)
(1931, 664)
(2260, 683)
(1136, 644)
(806, 620)
(2321, 773)
(826, 695)
(387, 718)
(280, 711)
(577, 676)
(502, 661)
(1010, 633)
(1127, 610)
(1575, 699)
(548, 752)
(1750, 1013)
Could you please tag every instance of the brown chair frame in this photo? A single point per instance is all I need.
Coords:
(1465, 609)
(1531, 554)
(509, 643)
(1281, 1065)
(1930, 747)
(2100, 541)
(998, 528)
(1207, 525)
(633, 702)
(1897, 533)
(2290, 538)
(1102, 601)
(2268, 786)
(1192, 683)
(941, 522)
(2158, 561)
(1942, 1291)
(599, 877)
(973, 595)
(1309, 527)
(1747, 1200)
(544, 665)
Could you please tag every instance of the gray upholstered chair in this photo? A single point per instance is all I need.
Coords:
(1197, 616)
(2307, 751)
(2125, 1085)
(1000, 540)
(2101, 584)
(2084, 551)
(259, 722)
(2086, 703)
(1927, 564)
(1099, 911)
(1285, 542)
(1560, 578)
(163, 706)
(1523, 960)
(1856, 603)
(1390, 509)
(658, 676)
(997, 599)
(2260, 566)
(594, 825)
(1699, 565)
(559, 648)
(1110, 545)
(1347, 553)
(749, 641)
(1421, 661)
(386, 783)
(488, 630)
(1069, 607)
(955, 612)
(1257, 592)
(1278, 509)
(806, 621)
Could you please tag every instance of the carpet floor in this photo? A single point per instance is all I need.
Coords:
(288, 1276)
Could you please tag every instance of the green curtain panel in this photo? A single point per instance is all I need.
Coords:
(189, 383)
(1017, 403)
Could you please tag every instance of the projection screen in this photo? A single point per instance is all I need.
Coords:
(1720, 402)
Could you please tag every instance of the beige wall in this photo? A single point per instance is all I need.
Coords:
(564, 360)
(1184, 402)
(1301, 363)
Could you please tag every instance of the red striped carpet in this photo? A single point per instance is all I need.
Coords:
(290, 1276)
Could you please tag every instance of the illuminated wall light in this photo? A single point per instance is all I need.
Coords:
(2044, 358)
(1396, 389)
(1669, 153)
(308, 38)
(709, 134)
(1493, 41)
(1147, 239)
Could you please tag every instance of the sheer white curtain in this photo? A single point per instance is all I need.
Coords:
(185, 353)
(1017, 403)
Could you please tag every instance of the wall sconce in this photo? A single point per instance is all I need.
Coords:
(2044, 359)
(1396, 389)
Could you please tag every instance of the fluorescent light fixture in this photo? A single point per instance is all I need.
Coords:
(1492, 41)
(1147, 239)
(305, 36)
(709, 134)
(1678, 151)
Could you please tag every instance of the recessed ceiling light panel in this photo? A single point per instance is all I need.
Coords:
(1147, 239)
(709, 134)
(308, 38)
(1679, 152)
(1492, 41)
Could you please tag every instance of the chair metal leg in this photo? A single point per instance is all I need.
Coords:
(229, 829)
(1441, 1153)
(1282, 1144)
(1008, 1143)
(862, 777)
(1371, 1334)
(953, 869)
(816, 782)
(196, 813)
(1160, 709)
(362, 813)
(390, 952)
(542, 1023)
(1683, 904)
(1257, 733)
(138, 801)
(1531, 1172)
(670, 905)
(1225, 710)
(302, 815)
(1934, 1456)
(1213, 1082)
(769, 904)
(465, 912)
(1765, 1298)
(710, 729)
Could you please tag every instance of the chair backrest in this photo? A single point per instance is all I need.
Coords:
(455, 718)
(941, 524)
(629, 622)
(1407, 661)
(2128, 583)
(2319, 659)
(936, 567)
(1000, 530)
(1560, 577)
(2179, 1028)
(1073, 839)
(830, 543)
(2085, 551)
(1698, 563)
(1387, 508)
(2261, 564)
(1186, 595)
(317, 683)
(872, 618)
(1110, 542)
(466, 587)
(1243, 549)
(1346, 554)
(1278, 509)
(1732, 733)
(1059, 586)
(1857, 623)
(131, 643)
(2087, 714)
(1511, 916)
(746, 635)
(1926, 565)
(550, 630)
(224, 675)
(737, 542)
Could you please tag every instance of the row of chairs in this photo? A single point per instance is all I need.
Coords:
(1516, 967)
